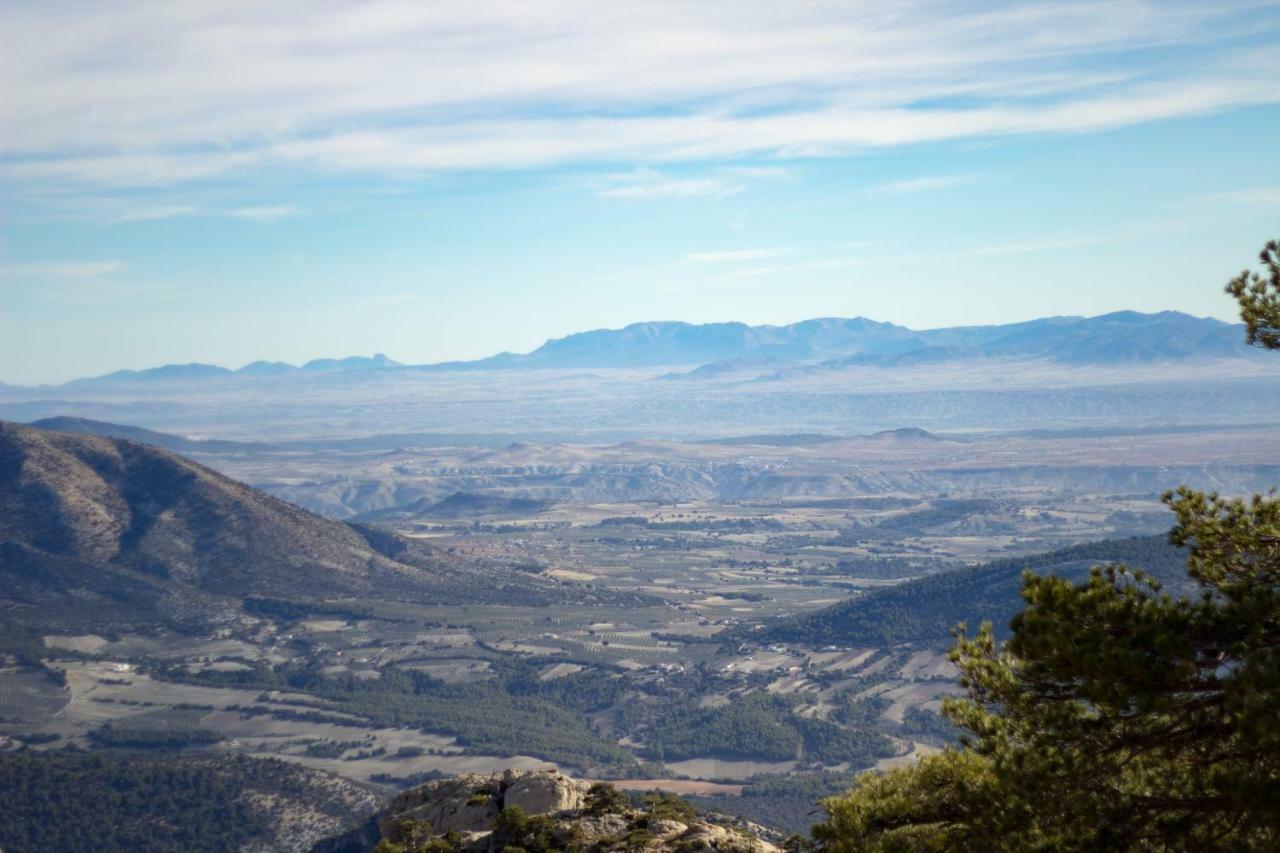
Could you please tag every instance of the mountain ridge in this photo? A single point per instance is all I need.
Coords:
(165, 440)
(825, 343)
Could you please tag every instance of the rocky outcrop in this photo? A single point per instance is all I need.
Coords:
(539, 811)
(472, 803)
(545, 793)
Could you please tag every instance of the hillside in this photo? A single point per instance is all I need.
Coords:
(925, 610)
(459, 505)
(102, 532)
(75, 801)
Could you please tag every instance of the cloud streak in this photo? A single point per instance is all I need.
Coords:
(63, 269)
(650, 185)
(156, 212)
(924, 184)
(734, 256)
(165, 93)
(266, 214)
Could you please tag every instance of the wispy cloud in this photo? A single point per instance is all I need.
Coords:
(63, 269)
(1253, 196)
(1053, 244)
(156, 212)
(923, 184)
(776, 173)
(734, 256)
(648, 185)
(220, 88)
(266, 214)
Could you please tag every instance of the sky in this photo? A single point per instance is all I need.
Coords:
(225, 182)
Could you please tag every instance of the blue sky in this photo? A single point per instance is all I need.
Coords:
(228, 182)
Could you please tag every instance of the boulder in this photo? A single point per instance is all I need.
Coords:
(544, 793)
(708, 836)
(464, 804)
(667, 828)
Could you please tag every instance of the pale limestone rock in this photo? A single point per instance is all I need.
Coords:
(603, 826)
(544, 793)
(667, 828)
(706, 836)
(464, 804)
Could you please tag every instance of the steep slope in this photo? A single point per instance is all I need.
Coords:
(99, 529)
(925, 610)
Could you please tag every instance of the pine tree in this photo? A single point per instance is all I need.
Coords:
(1117, 717)
(1259, 299)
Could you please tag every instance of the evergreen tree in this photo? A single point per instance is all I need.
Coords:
(1259, 299)
(1117, 717)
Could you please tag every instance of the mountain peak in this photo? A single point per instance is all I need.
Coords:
(354, 362)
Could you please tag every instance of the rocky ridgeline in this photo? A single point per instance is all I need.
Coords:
(541, 811)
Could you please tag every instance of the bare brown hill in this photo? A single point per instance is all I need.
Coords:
(102, 527)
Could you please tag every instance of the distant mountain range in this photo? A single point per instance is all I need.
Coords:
(720, 349)
(198, 372)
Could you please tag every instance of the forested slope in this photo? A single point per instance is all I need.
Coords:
(68, 801)
(926, 609)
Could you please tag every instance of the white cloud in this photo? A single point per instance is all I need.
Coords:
(155, 93)
(924, 184)
(1048, 245)
(648, 185)
(151, 214)
(780, 173)
(266, 214)
(63, 269)
(1253, 196)
(733, 256)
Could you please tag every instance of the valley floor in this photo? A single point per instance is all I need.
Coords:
(672, 691)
